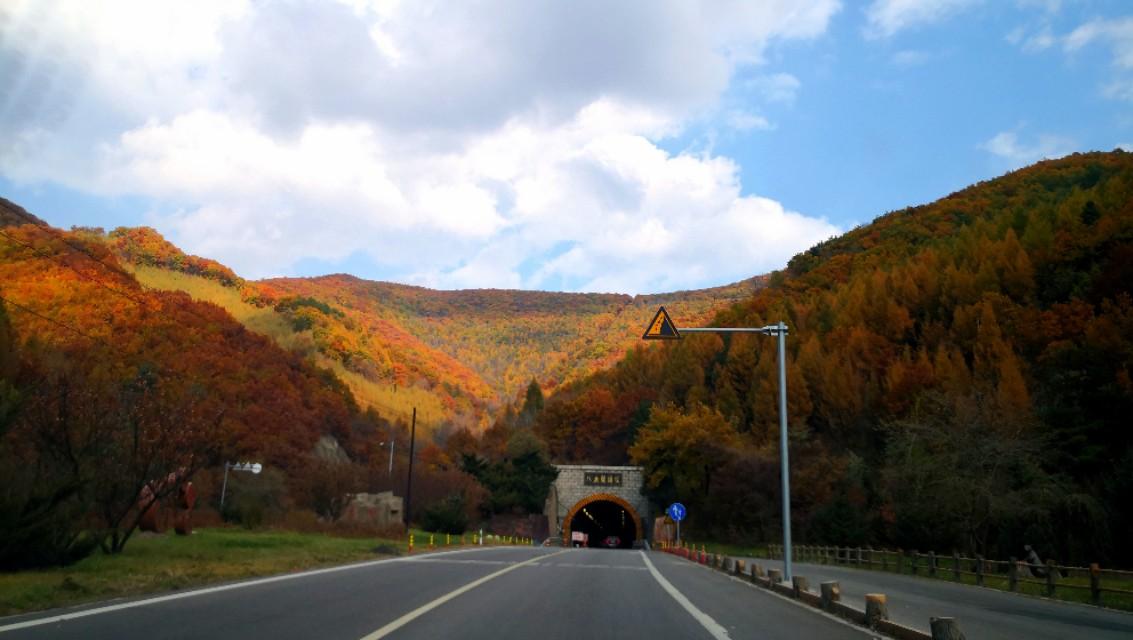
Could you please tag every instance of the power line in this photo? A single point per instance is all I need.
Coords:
(83, 250)
(81, 274)
(39, 315)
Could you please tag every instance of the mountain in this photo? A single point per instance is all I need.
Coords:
(457, 356)
(959, 377)
(75, 319)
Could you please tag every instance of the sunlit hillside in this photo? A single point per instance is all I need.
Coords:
(457, 356)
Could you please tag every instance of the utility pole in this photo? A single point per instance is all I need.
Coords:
(409, 483)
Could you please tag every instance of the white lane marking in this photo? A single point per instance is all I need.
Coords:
(425, 608)
(706, 621)
(207, 590)
(446, 561)
(801, 605)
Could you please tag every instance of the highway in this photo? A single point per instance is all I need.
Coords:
(487, 593)
(981, 613)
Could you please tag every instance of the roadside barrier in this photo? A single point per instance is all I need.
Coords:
(874, 614)
(488, 539)
(1104, 587)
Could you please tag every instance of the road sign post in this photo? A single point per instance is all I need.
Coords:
(662, 327)
(677, 512)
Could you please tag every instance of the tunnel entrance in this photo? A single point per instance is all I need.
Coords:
(607, 520)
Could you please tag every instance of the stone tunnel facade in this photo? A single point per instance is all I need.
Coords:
(580, 485)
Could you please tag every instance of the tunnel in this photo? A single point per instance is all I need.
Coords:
(601, 519)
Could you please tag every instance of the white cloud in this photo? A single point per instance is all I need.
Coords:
(1117, 33)
(776, 87)
(910, 58)
(1007, 146)
(1040, 40)
(747, 121)
(1125, 146)
(887, 17)
(455, 146)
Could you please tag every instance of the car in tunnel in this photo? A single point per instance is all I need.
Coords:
(611, 542)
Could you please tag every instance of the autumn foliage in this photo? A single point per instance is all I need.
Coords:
(958, 377)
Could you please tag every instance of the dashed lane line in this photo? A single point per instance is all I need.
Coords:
(426, 608)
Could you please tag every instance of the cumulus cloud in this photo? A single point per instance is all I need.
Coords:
(513, 145)
(1007, 146)
(887, 17)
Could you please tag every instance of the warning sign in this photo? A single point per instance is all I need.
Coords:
(661, 328)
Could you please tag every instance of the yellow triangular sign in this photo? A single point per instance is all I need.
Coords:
(661, 328)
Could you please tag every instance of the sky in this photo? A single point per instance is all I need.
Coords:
(633, 147)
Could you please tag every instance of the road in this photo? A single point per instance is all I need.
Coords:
(490, 593)
(981, 613)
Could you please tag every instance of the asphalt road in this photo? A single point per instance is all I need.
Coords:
(981, 613)
(491, 593)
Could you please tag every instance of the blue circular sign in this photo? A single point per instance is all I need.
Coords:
(676, 511)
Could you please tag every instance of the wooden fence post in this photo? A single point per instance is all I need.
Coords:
(1095, 583)
(914, 560)
(956, 565)
(932, 563)
(884, 560)
(1012, 574)
(1050, 575)
(979, 570)
(859, 560)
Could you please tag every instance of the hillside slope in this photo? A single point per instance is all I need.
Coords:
(457, 356)
(74, 311)
(958, 377)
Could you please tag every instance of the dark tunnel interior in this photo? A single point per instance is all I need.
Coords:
(608, 524)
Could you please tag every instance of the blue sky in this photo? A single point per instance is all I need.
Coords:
(636, 147)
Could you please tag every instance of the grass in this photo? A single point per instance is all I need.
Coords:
(161, 563)
(758, 551)
(262, 320)
(154, 563)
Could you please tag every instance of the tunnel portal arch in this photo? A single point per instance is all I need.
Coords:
(579, 486)
(601, 497)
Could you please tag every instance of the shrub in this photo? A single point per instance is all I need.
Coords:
(447, 516)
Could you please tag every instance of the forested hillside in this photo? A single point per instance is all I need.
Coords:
(460, 357)
(106, 386)
(958, 378)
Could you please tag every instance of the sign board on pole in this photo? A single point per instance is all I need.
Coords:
(661, 327)
(676, 511)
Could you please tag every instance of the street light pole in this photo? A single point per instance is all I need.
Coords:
(662, 328)
(254, 467)
(781, 330)
(391, 443)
